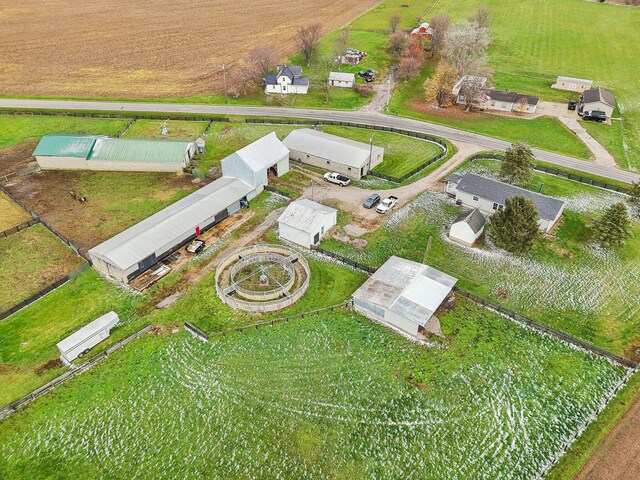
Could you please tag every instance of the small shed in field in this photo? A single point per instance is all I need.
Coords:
(572, 84)
(93, 152)
(405, 295)
(305, 222)
(468, 227)
(333, 153)
(78, 343)
(252, 163)
(341, 79)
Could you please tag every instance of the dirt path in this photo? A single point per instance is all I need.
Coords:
(382, 94)
(351, 198)
(618, 455)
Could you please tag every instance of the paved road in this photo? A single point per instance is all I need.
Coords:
(368, 118)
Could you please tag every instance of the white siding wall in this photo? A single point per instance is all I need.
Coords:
(282, 167)
(589, 107)
(294, 235)
(334, 166)
(401, 323)
(461, 232)
(73, 163)
(340, 83)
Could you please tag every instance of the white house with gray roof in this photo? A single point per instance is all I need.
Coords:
(341, 79)
(489, 196)
(468, 227)
(330, 152)
(287, 80)
(405, 295)
(572, 84)
(252, 163)
(304, 222)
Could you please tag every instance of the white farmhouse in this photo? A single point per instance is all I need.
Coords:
(78, 343)
(506, 101)
(405, 295)
(252, 163)
(333, 153)
(468, 227)
(304, 222)
(572, 84)
(341, 79)
(287, 80)
(597, 99)
(489, 196)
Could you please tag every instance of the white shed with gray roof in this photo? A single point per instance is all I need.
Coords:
(490, 195)
(405, 296)
(252, 163)
(341, 79)
(78, 343)
(468, 227)
(304, 222)
(138, 248)
(333, 153)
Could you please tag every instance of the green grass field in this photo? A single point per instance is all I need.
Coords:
(402, 154)
(527, 56)
(329, 396)
(563, 282)
(15, 129)
(178, 130)
(31, 260)
(11, 214)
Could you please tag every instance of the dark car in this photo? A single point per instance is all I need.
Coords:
(572, 105)
(595, 115)
(372, 201)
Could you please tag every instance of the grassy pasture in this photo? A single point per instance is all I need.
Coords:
(563, 281)
(178, 130)
(11, 214)
(31, 260)
(333, 396)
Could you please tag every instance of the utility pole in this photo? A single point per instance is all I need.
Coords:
(224, 77)
(370, 152)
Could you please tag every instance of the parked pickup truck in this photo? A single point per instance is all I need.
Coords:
(337, 179)
(387, 204)
(595, 115)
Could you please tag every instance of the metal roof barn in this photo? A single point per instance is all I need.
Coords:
(141, 246)
(332, 152)
(304, 222)
(252, 163)
(92, 152)
(76, 344)
(405, 295)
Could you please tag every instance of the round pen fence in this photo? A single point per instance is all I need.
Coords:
(262, 278)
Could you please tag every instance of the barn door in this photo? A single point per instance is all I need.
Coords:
(316, 238)
(147, 262)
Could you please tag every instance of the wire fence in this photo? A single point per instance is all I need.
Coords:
(19, 228)
(558, 173)
(137, 116)
(343, 259)
(9, 409)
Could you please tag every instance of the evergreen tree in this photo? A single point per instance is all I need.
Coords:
(612, 228)
(517, 166)
(515, 227)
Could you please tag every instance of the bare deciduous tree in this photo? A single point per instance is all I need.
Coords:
(307, 39)
(260, 59)
(465, 47)
(482, 16)
(342, 40)
(440, 25)
(397, 43)
(394, 21)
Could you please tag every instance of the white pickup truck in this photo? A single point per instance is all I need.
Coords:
(387, 204)
(337, 179)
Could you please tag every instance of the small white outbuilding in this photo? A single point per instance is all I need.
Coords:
(78, 343)
(468, 227)
(405, 295)
(304, 222)
(341, 79)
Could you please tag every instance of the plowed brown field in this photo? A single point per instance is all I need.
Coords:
(145, 48)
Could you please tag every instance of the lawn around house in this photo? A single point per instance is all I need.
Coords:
(564, 282)
(30, 261)
(327, 396)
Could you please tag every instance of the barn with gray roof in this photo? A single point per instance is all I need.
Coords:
(305, 222)
(488, 195)
(468, 227)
